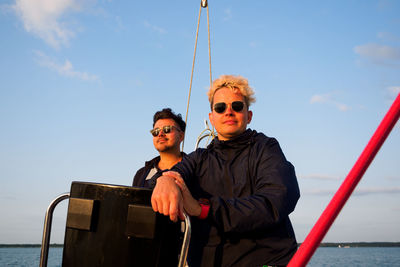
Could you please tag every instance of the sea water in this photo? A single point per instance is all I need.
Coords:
(28, 256)
(324, 256)
(356, 256)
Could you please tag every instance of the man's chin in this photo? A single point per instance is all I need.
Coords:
(164, 149)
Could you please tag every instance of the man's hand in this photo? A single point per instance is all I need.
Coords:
(191, 205)
(167, 198)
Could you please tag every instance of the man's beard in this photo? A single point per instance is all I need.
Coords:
(165, 148)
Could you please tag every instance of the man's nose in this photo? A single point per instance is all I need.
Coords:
(228, 110)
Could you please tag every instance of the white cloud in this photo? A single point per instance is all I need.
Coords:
(391, 93)
(65, 69)
(357, 191)
(119, 24)
(155, 28)
(394, 90)
(379, 54)
(377, 190)
(392, 177)
(328, 99)
(320, 177)
(387, 36)
(228, 14)
(342, 107)
(319, 99)
(318, 192)
(254, 44)
(46, 18)
(378, 51)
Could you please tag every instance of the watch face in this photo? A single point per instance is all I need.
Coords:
(204, 201)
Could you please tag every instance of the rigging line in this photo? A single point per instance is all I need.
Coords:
(203, 4)
(212, 133)
(191, 75)
(209, 45)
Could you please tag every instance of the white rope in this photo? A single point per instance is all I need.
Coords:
(203, 4)
(209, 45)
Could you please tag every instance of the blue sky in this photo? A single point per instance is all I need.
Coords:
(80, 81)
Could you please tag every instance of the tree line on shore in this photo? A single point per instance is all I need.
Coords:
(327, 244)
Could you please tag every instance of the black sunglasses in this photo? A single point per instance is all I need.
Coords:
(166, 129)
(236, 106)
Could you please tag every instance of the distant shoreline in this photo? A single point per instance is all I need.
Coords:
(27, 245)
(327, 244)
(360, 244)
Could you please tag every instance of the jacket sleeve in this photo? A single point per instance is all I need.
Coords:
(139, 177)
(187, 167)
(274, 195)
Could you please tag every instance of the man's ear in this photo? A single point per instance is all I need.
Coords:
(211, 117)
(249, 116)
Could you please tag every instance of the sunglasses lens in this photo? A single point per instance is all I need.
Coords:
(237, 106)
(220, 107)
(155, 132)
(167, 129)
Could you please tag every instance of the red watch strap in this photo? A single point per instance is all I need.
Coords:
(205, 208)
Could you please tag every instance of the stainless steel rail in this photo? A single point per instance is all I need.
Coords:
(207, 132)
(44, 252)
(186, 241)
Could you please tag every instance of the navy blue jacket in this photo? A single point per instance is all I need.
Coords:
(139, 180)
(141, 174)
(252, 189)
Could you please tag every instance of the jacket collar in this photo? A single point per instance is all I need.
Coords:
(244, 138)
(154, 162)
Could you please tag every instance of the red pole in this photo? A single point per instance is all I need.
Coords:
(330, 213)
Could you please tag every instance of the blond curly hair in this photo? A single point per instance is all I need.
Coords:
(237, 84)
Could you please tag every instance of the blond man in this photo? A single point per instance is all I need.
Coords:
(239, 191)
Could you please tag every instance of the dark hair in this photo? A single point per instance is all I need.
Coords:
(167, 113)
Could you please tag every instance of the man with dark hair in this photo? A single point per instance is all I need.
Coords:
(168, 133)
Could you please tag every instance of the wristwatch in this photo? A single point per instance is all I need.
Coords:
(205, 208)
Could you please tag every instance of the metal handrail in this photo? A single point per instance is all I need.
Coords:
(204, 134)
(186, 241)
(44, 252)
